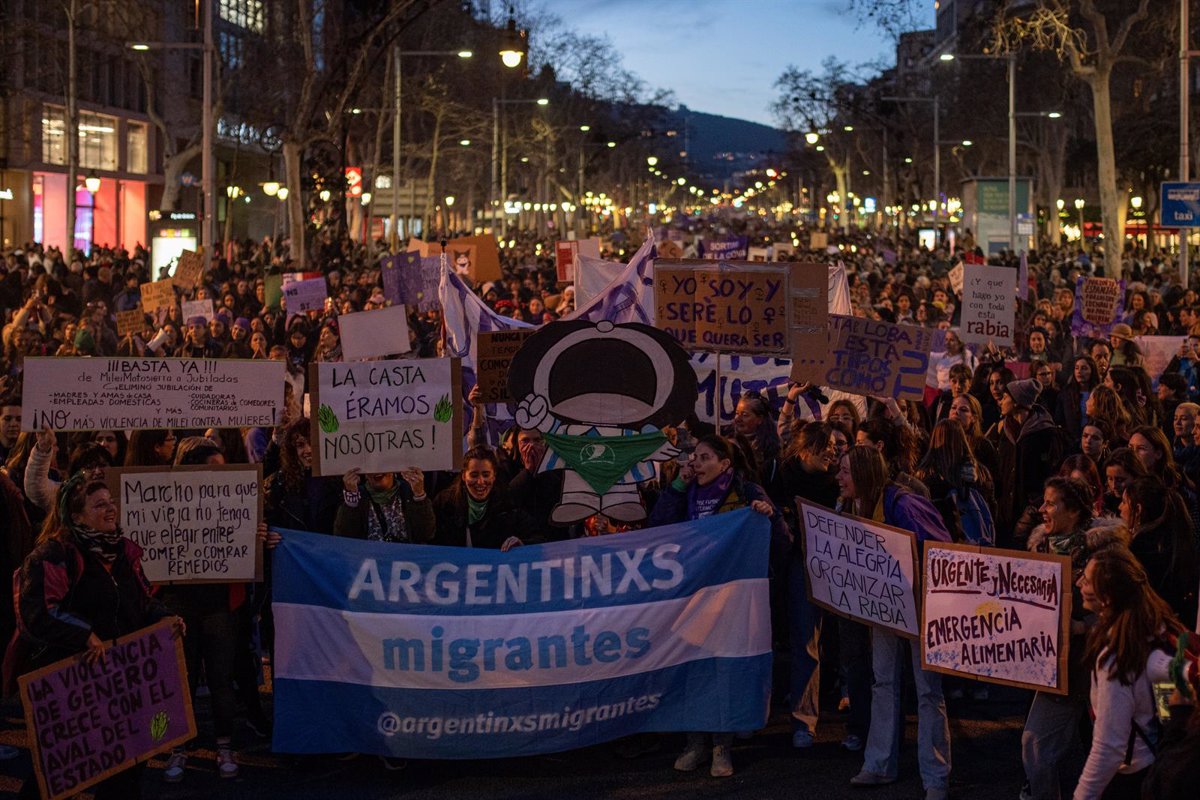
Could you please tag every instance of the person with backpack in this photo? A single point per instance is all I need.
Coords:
(1126, 645)
(959, 486)
(867, 492)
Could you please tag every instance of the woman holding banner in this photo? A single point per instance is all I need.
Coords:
(79, 589)
(867, 492)
(713, 482)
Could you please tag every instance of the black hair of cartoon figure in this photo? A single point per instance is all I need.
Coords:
(607, 365)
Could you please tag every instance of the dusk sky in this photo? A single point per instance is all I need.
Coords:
(723, 56)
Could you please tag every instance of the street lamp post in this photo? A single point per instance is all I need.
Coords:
(208, 171)
(499, 165)
(1079, 204)
(398, 102)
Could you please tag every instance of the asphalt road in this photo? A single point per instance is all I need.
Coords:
(985, 743)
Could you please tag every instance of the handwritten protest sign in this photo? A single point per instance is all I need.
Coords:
(383, 416)
(130, 322)
(1001, 616)
(194, 524)
(859, 569)
(877, 358)
(305, 295)
(89, 394)
(956, 278)
(818, 240)
(783, 251)
(727, 248)
(189, 270)
(156, 295)
(809, 298)
(196, 308)
(378, 332)
(493, 356)
(988, 313)
(1098, 301)
(757, 254)
(734, 307)
(90, 721)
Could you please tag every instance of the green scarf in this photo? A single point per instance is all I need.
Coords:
(603, 460)
(475, 509)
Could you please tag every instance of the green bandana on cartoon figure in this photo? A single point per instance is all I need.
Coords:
(603, 460)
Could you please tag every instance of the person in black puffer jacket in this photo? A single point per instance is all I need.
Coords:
(476, 510)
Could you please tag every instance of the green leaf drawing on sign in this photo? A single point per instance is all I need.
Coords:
(443, 411)
(327, 419)
(158, 726)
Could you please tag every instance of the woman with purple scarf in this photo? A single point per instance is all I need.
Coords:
(712, 482)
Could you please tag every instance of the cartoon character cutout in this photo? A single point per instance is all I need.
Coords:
(600, 393)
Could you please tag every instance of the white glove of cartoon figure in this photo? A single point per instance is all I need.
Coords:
(532, 412)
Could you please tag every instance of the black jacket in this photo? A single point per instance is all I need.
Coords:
(501, 519)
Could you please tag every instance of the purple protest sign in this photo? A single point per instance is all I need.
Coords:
(431, 276)
(402, 282)
(727, 248)
(91, 721)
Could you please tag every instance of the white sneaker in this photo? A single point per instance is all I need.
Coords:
(227, 766)
(175, 767)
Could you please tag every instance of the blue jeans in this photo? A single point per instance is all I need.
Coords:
(882, 753)
(1051, 733)
(804, 625)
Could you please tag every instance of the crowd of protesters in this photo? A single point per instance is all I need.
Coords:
(1060, 444)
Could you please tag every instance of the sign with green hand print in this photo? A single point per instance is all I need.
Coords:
(384, 416)
(89, 721)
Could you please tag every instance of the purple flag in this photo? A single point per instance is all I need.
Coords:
(402, 280)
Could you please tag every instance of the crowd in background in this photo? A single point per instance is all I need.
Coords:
(1059, 444)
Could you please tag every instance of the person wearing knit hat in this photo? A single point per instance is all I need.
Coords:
(243, 323)
(1024, 393)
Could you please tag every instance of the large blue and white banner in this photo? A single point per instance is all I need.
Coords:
(440, 652)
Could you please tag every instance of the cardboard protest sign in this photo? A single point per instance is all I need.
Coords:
(493, 356)
(733, 307)
(195, 524)
(431, 277)
(157, 295)
(90, 394)
(196, 308)
(818, 240)
(726, 248)
(757, 254)
(956, 278)
(738, 374)
(783, 251)
(876, 358)
(130, 322)
(809, 299)
(859, 569)
(305, 295)
(1098, 303)
(189, 270)
(988, 312)
(374, 333)
(484, 261)
(90, 721)
(1001, 616)
(384, 416)
(600, 393)
(670, 249)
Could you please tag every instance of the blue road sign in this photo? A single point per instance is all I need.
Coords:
(1181, 205)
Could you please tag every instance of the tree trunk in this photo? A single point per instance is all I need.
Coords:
(292, 153)
(1110, 197)
(427, 220)
(173, 168)
(72, 131)
(840, 173)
